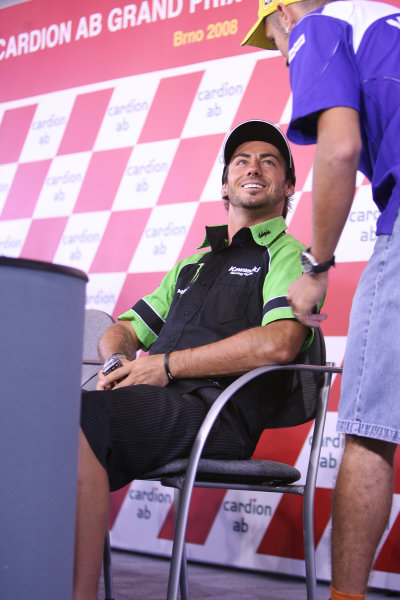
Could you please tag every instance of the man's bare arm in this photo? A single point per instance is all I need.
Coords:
(336, 162)
(277, 342)
(274, 343)
(335, 167)
(119, 337)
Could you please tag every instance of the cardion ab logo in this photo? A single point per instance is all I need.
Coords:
(242, 510)
(243, 271)
(146, 499)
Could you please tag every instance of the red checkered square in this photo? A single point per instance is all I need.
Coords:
(263, 99)
(102, 180)
(300, 223)
(43, 238)
(284, 534)
(335, 393)
(85, 120)
(274, 445)
(303, 157)
(14, 128)
(120, 240)
(170, 107)
(135, 287)
(208, 213)
(343, 280)
(25, 190)
(387, 559)
(203, 510)
(184, 184)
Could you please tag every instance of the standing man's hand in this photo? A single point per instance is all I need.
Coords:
(304, 294)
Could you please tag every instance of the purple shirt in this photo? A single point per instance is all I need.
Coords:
(347, 53)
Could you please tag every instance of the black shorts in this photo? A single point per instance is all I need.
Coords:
(136, 429)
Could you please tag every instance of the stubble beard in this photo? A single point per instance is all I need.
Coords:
(269, 200)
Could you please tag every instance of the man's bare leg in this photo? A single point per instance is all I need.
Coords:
(92, 512)
(361, 509)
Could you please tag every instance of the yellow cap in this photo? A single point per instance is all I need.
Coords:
(256, 36)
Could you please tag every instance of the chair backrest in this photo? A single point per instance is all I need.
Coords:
(292, 396)
(96, 322)
(306, 385)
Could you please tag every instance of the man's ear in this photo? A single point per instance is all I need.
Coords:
(224, 192)
(281, 11)
(287, 15)
(290, 190)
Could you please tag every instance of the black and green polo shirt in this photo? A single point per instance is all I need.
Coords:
(220, 291)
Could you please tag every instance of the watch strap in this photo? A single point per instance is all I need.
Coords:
(320, 267)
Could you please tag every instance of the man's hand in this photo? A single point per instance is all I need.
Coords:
(304, 294)
(145, 369)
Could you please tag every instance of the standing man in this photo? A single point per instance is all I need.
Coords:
(217, 314)
(344, 60)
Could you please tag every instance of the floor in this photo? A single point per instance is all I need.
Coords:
(138, 576)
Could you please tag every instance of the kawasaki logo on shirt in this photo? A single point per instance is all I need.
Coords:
(243, 271)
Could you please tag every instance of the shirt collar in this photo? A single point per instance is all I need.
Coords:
(264, 234)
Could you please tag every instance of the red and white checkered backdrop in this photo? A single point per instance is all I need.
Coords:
(112, 118)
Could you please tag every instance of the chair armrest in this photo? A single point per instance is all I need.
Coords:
(87, 373)
(91, 361)
(227, 394)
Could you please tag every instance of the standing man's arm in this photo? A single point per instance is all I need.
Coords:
(336, 161)
(335, 167)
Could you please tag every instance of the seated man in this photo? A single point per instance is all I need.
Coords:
(216, 315)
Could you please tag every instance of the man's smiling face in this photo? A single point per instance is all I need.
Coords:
(256, 179)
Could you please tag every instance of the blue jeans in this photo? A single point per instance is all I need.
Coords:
(370, 399)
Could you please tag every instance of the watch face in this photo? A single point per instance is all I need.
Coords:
(306, 262)
(111, 364)
(311, 266)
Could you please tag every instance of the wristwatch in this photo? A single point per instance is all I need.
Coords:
(112, 363)
(311, 266)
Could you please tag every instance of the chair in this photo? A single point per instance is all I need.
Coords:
(306, 400)
(96, 322)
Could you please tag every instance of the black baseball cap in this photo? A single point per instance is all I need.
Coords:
(258, 130)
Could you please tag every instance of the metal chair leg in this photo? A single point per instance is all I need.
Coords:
(107, 570)
(183, 576)
(309, 548)
(309, 493)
